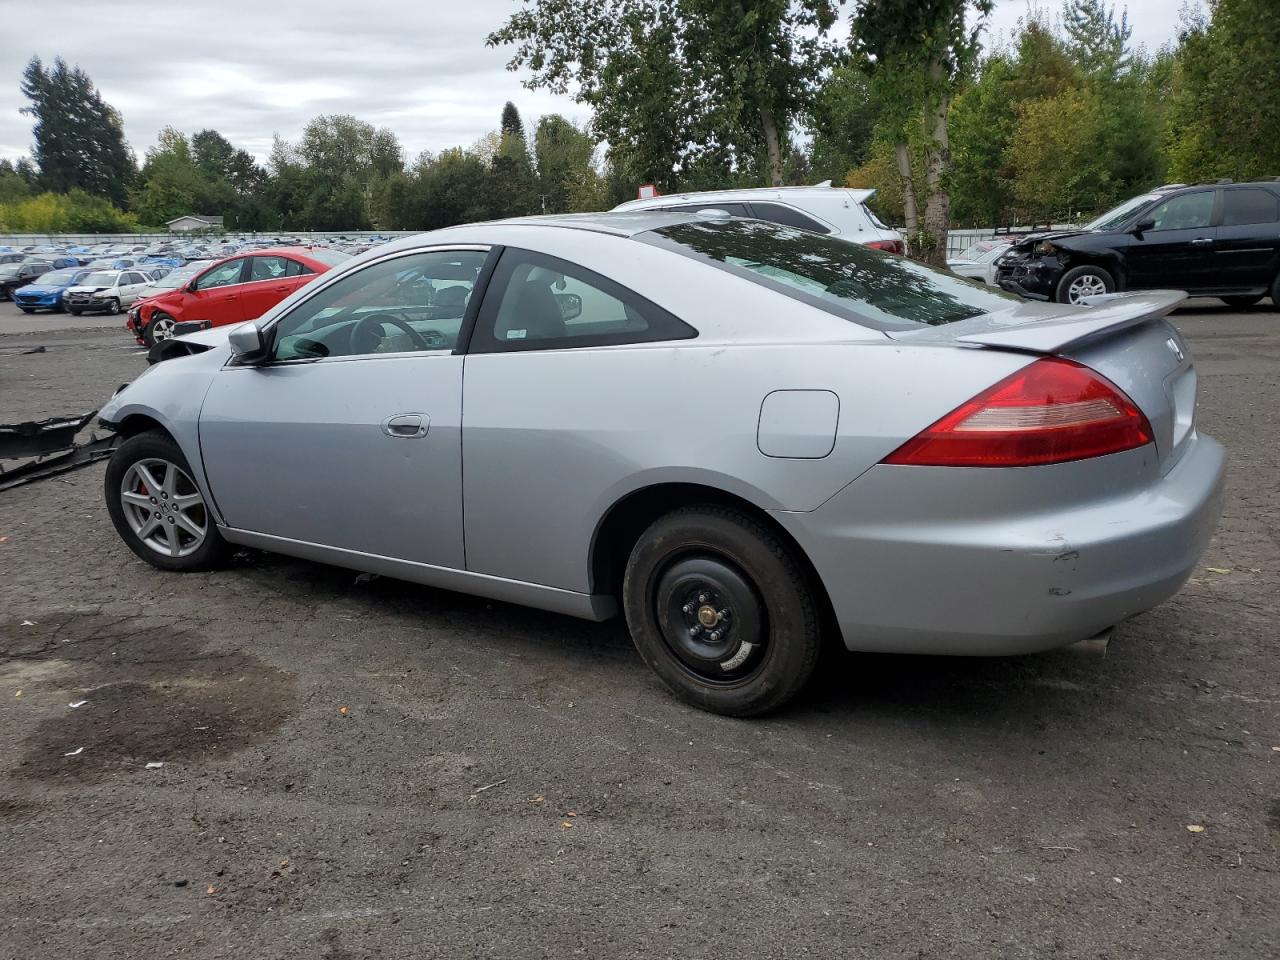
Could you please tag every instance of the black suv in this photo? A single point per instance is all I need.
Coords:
(1213, 240)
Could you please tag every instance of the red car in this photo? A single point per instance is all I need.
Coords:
(238, 288)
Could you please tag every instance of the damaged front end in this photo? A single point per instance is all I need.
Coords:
(47, 447)
(1031, 268)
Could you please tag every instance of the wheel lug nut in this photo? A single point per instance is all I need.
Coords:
(171, 519)
(724, 614)
(157, 514)
(702, 598)
(715, 636)
(688, 608)
(153, 499)
(694, 631)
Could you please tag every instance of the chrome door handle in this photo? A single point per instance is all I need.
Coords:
(1202, 241)
(406, 426)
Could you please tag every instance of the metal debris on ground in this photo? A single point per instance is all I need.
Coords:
(75, 753)
(48, 447)
(77, 704)
(154, 765)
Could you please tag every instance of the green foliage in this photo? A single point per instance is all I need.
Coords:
(73, 212)
(79, 139)
(1224, 115)
(13, 185)
(679, 84)
(512, 125)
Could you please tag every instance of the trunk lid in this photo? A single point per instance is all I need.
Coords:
(1125, 337)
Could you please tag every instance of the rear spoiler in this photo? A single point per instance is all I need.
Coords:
(1105, 314)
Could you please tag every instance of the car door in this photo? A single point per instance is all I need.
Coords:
(1178, 252)
(350, 436)
(266, 284)
(1247, 253)
(551, 372)
(132, 283)
(215, 294)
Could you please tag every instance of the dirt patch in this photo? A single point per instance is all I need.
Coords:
(153, 694)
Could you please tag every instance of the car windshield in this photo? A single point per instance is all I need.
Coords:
(330, 257)
(59, 277)
(1118, 215)
(100, 279)
(180, 275)
(870, 287)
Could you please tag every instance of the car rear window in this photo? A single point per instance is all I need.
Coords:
(869, 287)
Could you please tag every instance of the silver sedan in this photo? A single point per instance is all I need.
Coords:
(748, 439)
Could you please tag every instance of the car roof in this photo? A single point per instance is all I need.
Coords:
(822, 191)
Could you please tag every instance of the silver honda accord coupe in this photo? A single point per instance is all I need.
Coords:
(748, 439)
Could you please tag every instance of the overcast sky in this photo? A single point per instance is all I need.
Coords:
(252, 68)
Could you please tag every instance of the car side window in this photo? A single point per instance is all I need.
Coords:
(1191, 211)
(787, 216)
(268, 268)
(1240, 207)
(292, 268)
(537, 302)
(222, 276)
(409, 303)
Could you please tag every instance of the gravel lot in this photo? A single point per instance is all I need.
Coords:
(509, 783)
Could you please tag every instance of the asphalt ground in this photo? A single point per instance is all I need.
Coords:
(362, 768)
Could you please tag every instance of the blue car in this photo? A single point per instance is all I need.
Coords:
(46, 292)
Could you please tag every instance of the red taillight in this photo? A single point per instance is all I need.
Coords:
(892, 246)
(1051, 411)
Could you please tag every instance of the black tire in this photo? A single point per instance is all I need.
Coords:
(1241, 302)
(113, 306)
(1275, 291)
(75, 311)
(27, 309)
(153, 445)
(1083, 275)
(149, 331)
(753, 604)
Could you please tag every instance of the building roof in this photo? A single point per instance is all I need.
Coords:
(204, 217)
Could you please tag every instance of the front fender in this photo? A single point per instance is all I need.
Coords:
(171, 394)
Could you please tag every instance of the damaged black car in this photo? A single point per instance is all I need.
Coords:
(1212, 240)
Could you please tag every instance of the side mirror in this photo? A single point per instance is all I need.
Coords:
(570, 305)
(248, 346)
(189, 286)
(1142, 226)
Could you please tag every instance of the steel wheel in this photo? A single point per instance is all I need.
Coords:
(164, 508)
(1085, 285)
(711, 618)
(113, 306)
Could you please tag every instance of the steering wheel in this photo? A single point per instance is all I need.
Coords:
(364, 330)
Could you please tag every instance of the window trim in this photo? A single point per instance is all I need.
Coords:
(327, 279)
(1215, 212)
(482, 340)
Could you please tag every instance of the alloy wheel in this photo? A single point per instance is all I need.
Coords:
(1085, 285)
(164, 508)
(161, 328)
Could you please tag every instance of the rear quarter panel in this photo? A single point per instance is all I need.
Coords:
(553, 439)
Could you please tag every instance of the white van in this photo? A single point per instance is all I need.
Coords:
(838, 211)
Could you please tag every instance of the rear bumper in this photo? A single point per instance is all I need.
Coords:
(991, 562)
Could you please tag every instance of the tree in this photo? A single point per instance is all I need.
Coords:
(79, 138)
(843, 120)
(917, 54)
(512, 125)
(172, 184)
(566, 174)
(13, 186)
(674, 83)
(1224, 112)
